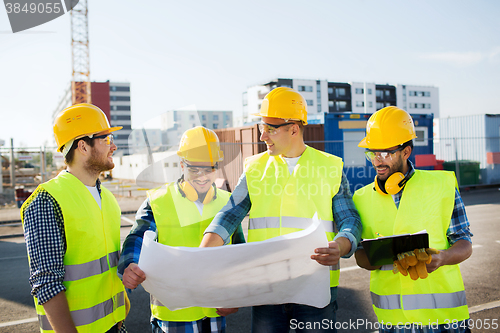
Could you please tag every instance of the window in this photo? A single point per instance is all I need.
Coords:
(422, 136)
(215, 126)
(165, 165)
(215, 117)
(306, 88)
(120, 98)
(379, 93)
(330, 90)
(204, 125)
(340, 91)
(330, 104)
(369, 91)
(381, 105)
(191, 117)
(427, 94)
(360, 103)
(341, 105)
(285, 86)
(388, 93)
(310, 102)
(359, 90)
(115, 88)
(370, 104)
(174, 164)
(203, 117)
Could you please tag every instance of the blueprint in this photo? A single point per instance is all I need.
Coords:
(275, 271)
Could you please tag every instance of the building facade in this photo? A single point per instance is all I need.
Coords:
(323, 97)
(176, 122)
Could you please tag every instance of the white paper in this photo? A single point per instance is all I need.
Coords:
(275, 271)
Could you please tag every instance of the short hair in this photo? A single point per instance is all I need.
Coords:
(68, 159)
(408, 144)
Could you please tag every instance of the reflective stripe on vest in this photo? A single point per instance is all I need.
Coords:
(284, 202)
(420, 301)
(179, 223)
(88, 316)
(427, 203)
(94, 292)
(95, 267)
(288, 222)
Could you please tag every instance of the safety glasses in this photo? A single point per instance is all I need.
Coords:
(271, 129)
(108, 138)
(381, 155)
(200, 170)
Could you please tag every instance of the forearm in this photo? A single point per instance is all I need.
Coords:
(57, 311)
(211, 240)
(226, 222)
(458, 252)
(362, 260)
(133, 243)
(344, 245)
(346, 217)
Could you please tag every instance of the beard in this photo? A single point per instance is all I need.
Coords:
(396, 167)
(98, 164)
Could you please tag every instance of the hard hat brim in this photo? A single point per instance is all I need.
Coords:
(109, 130)
(268, 116)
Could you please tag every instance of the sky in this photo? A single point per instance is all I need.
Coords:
(207, 53)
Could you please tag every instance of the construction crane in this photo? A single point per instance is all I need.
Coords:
(80, 83)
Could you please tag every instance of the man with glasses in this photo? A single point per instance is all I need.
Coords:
(72, 231)
(282, 189)
(403, 200)
(179, 213)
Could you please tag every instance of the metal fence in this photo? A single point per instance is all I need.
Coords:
(474, 160)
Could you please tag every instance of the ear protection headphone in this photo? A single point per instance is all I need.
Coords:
(394, 184)
(188, 191)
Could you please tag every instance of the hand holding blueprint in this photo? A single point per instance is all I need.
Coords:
(275, 271)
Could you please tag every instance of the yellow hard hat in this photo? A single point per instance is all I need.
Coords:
(80, 120)
(200, 144)
(388, 127)
(284, 103)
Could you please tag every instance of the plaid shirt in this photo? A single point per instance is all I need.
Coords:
(458, 229)
(144, 221)
(344, 213)
(459, 224)
(46, 244)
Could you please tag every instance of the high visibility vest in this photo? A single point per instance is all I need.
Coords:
(179, 223)
(95, 294)
(283, 203)
(427, 203)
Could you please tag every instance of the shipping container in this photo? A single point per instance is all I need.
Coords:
(343, 132)
(470, 138)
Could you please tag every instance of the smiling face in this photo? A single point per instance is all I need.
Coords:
(101, 156)
(201, 175)
(279, 143)
(392, 163)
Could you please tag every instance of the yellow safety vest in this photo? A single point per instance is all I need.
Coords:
(427, 203)
(95, 294)
(283, 203)
(179, 223)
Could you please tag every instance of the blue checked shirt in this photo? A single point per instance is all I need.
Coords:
(144, 221)
(459, 224)
(458, 229)
(46, 245)
(344, 213)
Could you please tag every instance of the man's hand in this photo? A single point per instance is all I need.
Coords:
(133, 276)
(327, 256)
(226, 311)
